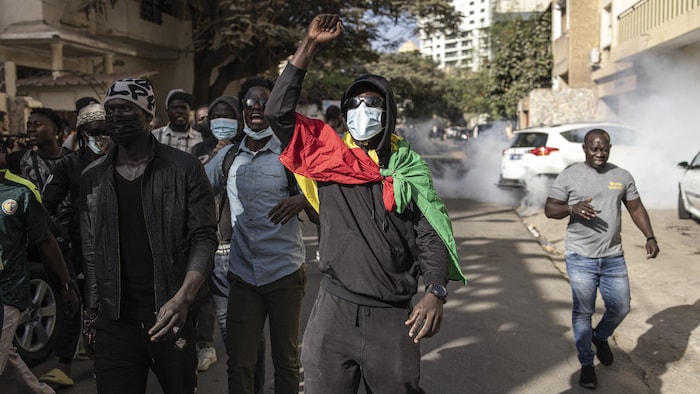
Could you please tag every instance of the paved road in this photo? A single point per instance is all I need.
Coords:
(508, 331)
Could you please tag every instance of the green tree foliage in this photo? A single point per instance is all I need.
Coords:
(327, 84)
(416, 81)
(236, 39)
(465, 93)
(522, 61)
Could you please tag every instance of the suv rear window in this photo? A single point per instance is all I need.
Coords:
(576, 135)
(529, 140)
(618, 135)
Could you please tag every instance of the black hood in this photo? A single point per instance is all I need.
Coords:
(228, 100)
(380, 85)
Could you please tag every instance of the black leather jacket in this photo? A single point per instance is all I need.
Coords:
(65, 181)
(178, 205)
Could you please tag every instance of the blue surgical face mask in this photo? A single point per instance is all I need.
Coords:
(94, 146)
(257, 135)
(223, 128)
(364, 122)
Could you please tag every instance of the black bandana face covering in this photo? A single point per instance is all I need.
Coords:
(123, 129)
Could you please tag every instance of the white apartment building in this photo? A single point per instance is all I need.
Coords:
(469, 48)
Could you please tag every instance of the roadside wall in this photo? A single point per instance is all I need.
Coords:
(547, 106)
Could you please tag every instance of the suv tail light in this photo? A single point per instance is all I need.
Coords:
(543, 151)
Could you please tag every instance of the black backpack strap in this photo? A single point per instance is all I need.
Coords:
(226, 167)
(229, 158)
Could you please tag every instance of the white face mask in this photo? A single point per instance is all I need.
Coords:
(223, 128)
(94, 146)
(257, 135)
(364, 122)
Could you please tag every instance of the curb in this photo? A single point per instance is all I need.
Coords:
(555, 256)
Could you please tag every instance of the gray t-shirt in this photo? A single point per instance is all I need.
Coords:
(600, 236)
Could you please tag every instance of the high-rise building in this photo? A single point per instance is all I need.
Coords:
(469, 47)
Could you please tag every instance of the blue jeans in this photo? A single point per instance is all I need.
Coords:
(218, 284)
(586, 276)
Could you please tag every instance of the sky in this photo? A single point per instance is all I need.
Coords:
(399, 32)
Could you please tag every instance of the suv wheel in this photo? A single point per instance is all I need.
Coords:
(36, 331)
(682, 212)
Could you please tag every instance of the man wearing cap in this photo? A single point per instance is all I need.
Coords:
(178, 133)
(148, 228)
(65, 177)
(64, 182)
(72, 141)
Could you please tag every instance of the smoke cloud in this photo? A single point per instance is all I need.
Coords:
(463, 169)
(665, 112)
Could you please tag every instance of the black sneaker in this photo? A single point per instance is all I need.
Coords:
(588, 379)
(602, 351)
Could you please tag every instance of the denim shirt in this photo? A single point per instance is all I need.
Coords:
(261, 251)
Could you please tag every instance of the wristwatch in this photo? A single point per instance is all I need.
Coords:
(68, 285)
(438, 291)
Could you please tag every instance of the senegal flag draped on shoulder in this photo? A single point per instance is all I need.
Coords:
(413, 182)
(317, 153)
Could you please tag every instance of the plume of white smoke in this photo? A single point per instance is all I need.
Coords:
(664, 111)
(463, 169)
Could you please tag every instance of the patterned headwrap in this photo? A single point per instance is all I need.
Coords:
(138, 91)
(90, 113)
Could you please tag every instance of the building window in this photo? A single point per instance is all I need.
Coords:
(174, 8)
(150, 11)
(606, 26)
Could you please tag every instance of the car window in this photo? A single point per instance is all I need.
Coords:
(529, 140)
(618, 135)
(696, 161)
(575, 135)
(621, 135)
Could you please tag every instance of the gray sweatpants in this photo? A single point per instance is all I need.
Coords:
(345, 344)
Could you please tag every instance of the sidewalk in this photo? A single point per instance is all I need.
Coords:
(661, 335)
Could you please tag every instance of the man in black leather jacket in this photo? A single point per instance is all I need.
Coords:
(148, 227)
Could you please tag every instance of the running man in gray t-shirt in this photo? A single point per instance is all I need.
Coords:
(591, 193)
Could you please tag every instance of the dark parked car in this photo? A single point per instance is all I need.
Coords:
(36, 331)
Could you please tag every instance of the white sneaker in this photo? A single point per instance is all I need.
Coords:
(205, 358)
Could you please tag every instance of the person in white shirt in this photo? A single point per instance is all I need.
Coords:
(178, 133)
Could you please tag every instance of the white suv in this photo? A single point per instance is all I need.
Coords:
(545, 151)
(689, 189)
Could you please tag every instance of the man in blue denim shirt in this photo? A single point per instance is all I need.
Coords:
(266, 270)
(591, 194)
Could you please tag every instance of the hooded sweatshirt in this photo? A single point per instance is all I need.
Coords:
(371, 254)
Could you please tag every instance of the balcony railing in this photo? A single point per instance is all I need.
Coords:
(648, 14)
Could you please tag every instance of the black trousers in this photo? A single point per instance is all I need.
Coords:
(69, 328)
(248, 308)
(124, 354)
